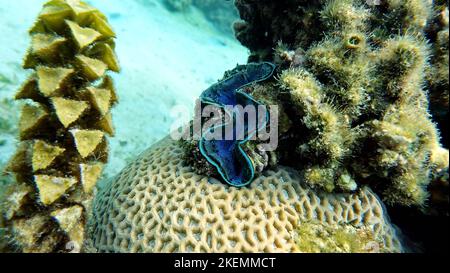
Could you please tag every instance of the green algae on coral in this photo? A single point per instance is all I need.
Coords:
(221, 14)
(437, 74)
(316, 237)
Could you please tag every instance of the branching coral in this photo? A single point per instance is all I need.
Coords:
(159, 204)
(63, 127)
(356, 75)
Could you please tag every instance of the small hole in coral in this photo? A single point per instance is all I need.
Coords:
(354, 42)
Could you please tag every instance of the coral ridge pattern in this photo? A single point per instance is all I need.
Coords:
(159, 204)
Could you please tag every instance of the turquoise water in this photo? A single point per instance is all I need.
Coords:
(168, 57)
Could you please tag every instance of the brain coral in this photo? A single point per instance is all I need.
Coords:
(158, 204)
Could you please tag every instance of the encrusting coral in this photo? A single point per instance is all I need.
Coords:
(63, 128)
(353, 85)
(159, 204)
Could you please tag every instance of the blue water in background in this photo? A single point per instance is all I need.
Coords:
(167, 58)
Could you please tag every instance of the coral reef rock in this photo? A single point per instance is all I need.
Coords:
(177, 5)
(158, 204)
(221, 14)
(437, 73)
(353, 80)
(63, 128)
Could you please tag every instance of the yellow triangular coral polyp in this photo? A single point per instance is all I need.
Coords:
(44, 154)
(86, 141)
(68, 111)
(38, 27)
(19, 162)
(51, 188)
(30, 61)
(46, 45)
(90, 173)
(54, 14)
(69, 219)
(81, 10)
(28, 232)
(93, 69)
(106, 124)
(99, 24)
(82, 36)
(29, 90)
(110, 58)
(51, 80)
(108, 84)
(31, 119)
(101, 99)
(15, 206)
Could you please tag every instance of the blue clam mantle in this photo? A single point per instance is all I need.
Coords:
(227, 156)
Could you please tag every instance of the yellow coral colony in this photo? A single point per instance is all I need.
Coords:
(62, 127)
